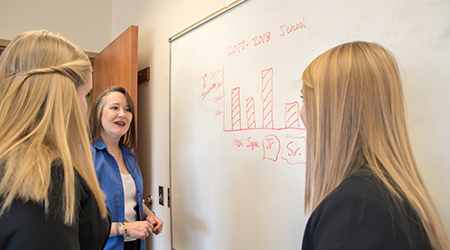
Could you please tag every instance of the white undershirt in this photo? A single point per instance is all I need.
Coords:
(130, 199)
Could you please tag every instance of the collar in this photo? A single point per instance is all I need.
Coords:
(100, 145)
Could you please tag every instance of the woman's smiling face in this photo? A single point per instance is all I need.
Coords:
(116, 116)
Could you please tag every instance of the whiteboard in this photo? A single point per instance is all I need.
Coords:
(236, 139)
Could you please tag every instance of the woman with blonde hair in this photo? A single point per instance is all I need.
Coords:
(363, 186)
(49, 195)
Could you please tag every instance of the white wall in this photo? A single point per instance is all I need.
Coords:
(157, 21)
(84, 22)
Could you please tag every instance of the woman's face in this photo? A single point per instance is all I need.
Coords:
(82, 92)
(116, 116)
(303, 110)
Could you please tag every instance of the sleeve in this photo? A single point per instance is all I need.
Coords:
(350, 222)
(93, 229)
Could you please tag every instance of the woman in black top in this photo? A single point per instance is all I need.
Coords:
(358, 215)
(49, 194)
(362, 182)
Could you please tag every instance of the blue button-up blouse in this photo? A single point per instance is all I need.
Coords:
(108, 175)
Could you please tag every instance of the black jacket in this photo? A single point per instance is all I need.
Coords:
(360, 214)
(26, 226)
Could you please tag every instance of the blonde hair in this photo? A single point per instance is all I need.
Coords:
(41, 121)
(356, 117)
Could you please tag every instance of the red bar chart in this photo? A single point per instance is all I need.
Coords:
(258, 112)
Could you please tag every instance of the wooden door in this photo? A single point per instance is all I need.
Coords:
(116, 65)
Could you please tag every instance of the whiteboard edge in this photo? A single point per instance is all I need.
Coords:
(206, 19)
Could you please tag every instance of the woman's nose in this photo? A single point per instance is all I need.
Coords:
(121, 112)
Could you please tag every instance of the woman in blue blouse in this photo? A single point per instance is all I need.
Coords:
(113, 140)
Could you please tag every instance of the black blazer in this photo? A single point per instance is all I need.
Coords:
(26, 226)
(359, 214)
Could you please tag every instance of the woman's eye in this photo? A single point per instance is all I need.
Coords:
(114, 108)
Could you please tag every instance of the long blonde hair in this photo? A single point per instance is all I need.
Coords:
(41, 121)
(355, 111)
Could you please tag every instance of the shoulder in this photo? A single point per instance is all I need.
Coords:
(360, 189)
(361, 185)
(57, 186)
(354, 198)
(98, 146)
(28, 227)
(44, 230)
(356, 215)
